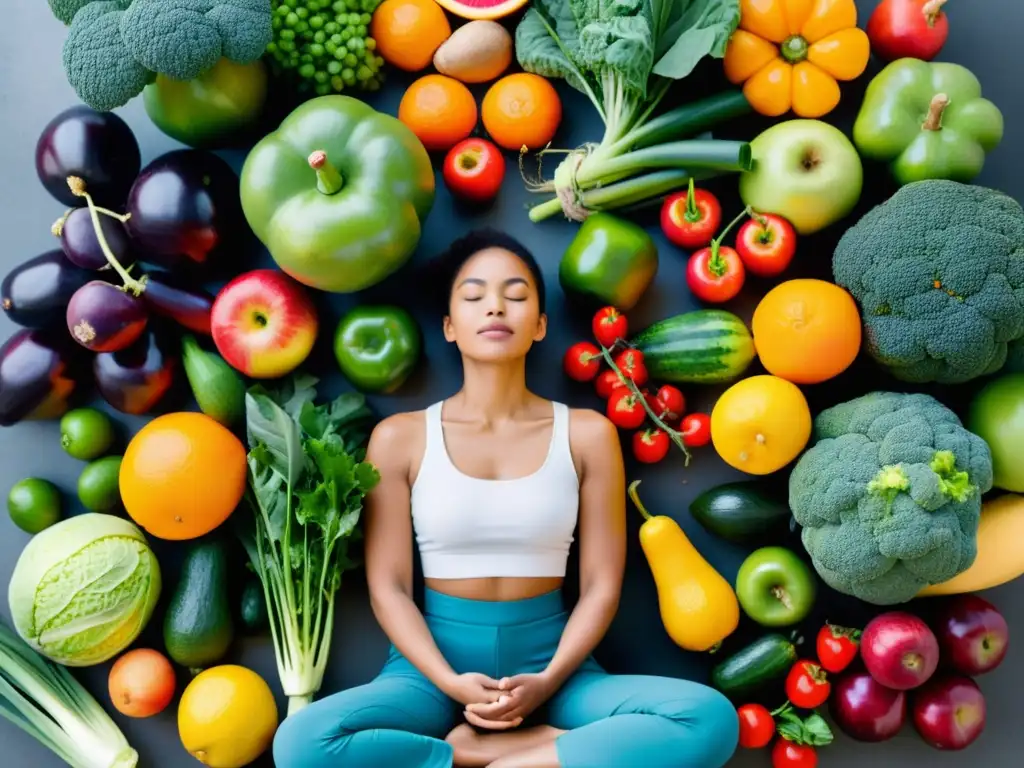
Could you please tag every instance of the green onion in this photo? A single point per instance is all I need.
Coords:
(45, 701)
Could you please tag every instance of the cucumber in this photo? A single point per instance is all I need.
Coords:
(767, 659)
(706, 346)
(742, 512)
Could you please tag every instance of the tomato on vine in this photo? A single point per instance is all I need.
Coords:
(607, 381)
(650, 445)
(609, 325)
(690, 219)
(582, 361)
(631, 363)
(766, 244)
(625, 409)
(716, 274)
(696, 430)
(786, 754)
(672, 403)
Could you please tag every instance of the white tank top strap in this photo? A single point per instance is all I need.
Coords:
(561, 453)
(434, 451)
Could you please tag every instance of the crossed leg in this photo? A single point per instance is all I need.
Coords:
(479, 750)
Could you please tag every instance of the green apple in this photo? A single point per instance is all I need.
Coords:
(996, 415)
(806, 171)
(775, 587)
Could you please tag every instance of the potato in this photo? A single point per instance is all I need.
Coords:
(476, 52)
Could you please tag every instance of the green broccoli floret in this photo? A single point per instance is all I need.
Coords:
(184, 38)
(96, 60)
(65, 10)
(938, 271)
(889, 495)
(115, 48)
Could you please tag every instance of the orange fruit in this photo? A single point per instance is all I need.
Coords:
(439, 110)
(182, 475)
(408, 32)
(521, 110)
(806, 331)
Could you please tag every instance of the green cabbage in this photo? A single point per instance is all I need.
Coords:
(83, 589)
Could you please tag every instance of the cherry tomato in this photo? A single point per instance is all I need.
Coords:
(696, 429)
(915, 29)
(837, 647)
(786, 754)
(715, 275)
(673, 404)
(690, 219)
(631, 363)
(609, 325)
(807, 685)
(650, 445)
(766, 244)
(625, 409)
(582, 361)
(757, 726)
(474, 169)
(606, 382)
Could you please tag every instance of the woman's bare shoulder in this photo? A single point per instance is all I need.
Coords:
(592, 434)
(399, 428)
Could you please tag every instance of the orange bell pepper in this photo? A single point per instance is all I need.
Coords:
(790, 54)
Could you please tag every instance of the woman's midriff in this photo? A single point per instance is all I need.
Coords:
(496, 589)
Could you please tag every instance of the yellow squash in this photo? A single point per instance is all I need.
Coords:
(790, 54)
(1000, 555)
(698, 607)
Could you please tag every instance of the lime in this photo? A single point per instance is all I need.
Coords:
(98, 486)
(86, 433)
(34, 504)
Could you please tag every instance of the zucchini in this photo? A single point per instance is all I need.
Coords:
(706, 346)
(742, 512)
(767, 659)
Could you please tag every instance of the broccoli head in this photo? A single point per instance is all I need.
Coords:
(65, 10)
(115, 48)
(889, 495)
(938, 271)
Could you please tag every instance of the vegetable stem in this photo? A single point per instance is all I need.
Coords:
(711, 154)
(328, 179)
(716, 264)
(933, 122)
(931, 11)
(77, 187)
(687, 120)
(692, 214)
(635, 498)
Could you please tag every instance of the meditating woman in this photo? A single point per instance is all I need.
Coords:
(492, 484)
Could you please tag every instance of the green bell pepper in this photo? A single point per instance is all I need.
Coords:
(610, 261)
(377, 347)
(338, 193)
(927, 121)
(214, 110)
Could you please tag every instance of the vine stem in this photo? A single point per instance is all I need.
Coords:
(77, 187)
(674, 435)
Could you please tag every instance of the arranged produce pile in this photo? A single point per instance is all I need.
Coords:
(892, 497)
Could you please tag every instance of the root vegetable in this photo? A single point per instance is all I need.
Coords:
(476, 52)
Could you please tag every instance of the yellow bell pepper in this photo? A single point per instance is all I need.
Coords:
(790, 54)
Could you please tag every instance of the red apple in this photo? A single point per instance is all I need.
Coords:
(263, 324)
(866, 710)
(899, 650)
(949, 712)
(973, 635)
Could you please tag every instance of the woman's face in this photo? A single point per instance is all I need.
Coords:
(494, 313)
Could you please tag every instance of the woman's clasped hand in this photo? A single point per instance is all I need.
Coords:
(518, 697)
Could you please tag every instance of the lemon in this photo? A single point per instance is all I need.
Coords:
(227, 716)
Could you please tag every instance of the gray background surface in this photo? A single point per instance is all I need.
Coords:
(985, 37)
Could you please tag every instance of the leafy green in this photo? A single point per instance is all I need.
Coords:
(624, 55)
(307, 481)
(812, 730)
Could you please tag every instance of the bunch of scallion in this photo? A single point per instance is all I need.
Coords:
(45, 701)
(624, 55)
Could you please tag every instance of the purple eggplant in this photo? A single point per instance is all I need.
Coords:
(78, 239)
(37, 375)
(133, 380)
(98, 147)
(168, 295)
(105, 318)
(36, 293)
(184, 209)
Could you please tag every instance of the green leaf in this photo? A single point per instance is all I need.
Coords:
(269, 425)
(699, 28)
(790, 731)
(348, 415)
(270, 495)
(816, 731)
(291, 393)
(547, 43)
(620, 43)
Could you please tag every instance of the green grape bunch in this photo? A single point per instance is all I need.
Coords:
(326, 45)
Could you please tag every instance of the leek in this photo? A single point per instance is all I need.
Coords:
(44, 700)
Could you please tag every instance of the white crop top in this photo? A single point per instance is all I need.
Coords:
(468, 527)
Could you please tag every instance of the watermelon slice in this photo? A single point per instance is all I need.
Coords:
(482, 9)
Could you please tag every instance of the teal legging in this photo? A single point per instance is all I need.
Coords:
(400, 719)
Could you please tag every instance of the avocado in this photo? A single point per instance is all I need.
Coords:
(254, 606)
(198, 628)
